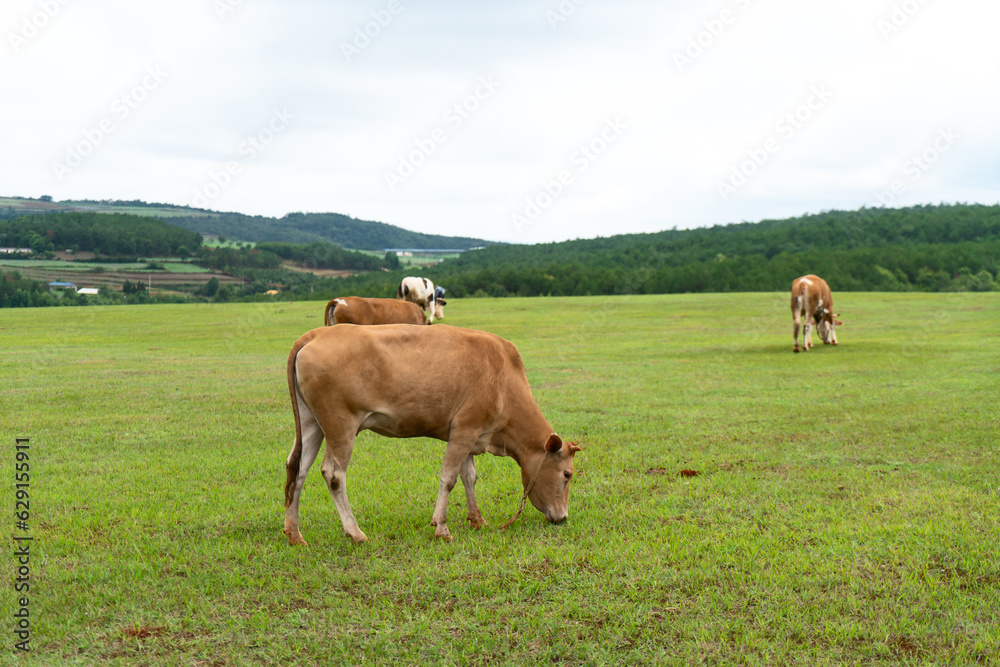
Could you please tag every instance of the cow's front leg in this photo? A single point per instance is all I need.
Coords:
(468, 475)
(806, 336)
(451, 466)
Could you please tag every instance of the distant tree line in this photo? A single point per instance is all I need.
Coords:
(9, 212)
(309, 256)
(235, 260)
(328, 256)
(925, 248)
(341, 230)
(18, 292)
(106, 234)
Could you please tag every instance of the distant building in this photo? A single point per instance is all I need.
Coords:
(272, 292)
(416, 252)
(92, 291)
(15, 251)
(61, 285)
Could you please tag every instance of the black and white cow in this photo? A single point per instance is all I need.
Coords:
(423, 293)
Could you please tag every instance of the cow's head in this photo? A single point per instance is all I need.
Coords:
(550, 491)
(825, 327)
(439, 305)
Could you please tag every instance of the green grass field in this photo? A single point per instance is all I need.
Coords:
(417, 260)
(184, 267)
(845, 508)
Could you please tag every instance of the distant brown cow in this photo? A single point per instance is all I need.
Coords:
(812, 302)
(346, 379)
(359, 310)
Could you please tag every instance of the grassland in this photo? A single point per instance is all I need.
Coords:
(844, 508)
(421, 259)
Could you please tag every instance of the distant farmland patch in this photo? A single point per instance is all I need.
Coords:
(173, 277)
(184, 267)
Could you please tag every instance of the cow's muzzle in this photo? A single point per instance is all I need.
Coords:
(556, 517)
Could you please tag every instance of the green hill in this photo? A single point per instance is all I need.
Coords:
(116, 235)
(342, 230)
(932, 248)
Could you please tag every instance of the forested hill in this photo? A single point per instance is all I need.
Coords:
(115, 235)
(342, 230)
(946, 247)
(833, 230)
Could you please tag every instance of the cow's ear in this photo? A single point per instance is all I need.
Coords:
(553, 444)
(838, 323)
(442, 302)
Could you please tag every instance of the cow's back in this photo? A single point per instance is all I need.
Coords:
(384, 369)
(361, 310)
(808, 292)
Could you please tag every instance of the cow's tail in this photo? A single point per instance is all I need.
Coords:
(292, 465)
(330, 307)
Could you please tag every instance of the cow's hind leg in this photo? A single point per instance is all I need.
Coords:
(468, 475)
(796, 322)
(334, 469)
(300, 459)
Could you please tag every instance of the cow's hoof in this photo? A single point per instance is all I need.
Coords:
(442, 533)
(477, 522)
(297, 539)
(359, 538)
(795, 350)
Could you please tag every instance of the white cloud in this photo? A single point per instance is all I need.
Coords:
(689, 126)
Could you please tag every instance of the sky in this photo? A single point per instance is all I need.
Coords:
(518, 121)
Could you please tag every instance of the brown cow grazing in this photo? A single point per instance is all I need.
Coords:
(346, 379)
(812, 302)
(359, 310)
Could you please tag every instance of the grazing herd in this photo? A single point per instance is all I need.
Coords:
(463, 386)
